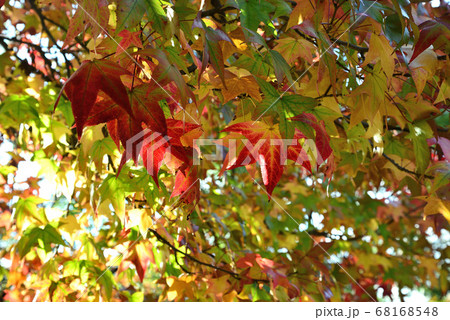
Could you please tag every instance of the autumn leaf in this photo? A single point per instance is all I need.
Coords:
(130, 12)
(128, 38)
(430, 32)
(84, 85)
(261, 149)
(291, 49)
(156, 146)
(236, 85)
(187, 185)
(302, 11)
(88, 14)
(340, 106)
(380, 49)
(212, 52)
(322, 139)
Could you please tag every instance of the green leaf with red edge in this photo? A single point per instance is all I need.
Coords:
(432, 31)
(83, 87)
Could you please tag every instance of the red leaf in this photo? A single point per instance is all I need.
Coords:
(322, 139)
(187, 185)
(94, 14)
(267, 266)
(84, 85)
(128, 38)
(129, 131)
(141, 258)
(430, 31)
(156, 147)
(296, 153)
(264, 148)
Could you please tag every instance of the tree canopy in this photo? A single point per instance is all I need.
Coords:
(239, 150)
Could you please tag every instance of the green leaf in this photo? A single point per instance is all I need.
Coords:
(16, 109)
(130, 13)
(255, 65)
(254, 12)
(106, 281)
(99, 149)
(289, 105)
(37, 237)
(441, 172)
(281, 67)
(395, 30)
(112, 189)
(28, 207)
(419, 133)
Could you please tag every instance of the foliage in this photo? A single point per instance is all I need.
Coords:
(363, 211)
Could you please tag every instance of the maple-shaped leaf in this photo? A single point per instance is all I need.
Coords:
(263, 146)
(236, 85)
(322, 139)
(165, 72)
(83, 87)
(130, 12)
(187, 185)
(266, 147)
(129, 131)
(128, 38)
(380, 49)
(292, 49)
(94, 14)
(212, 52)
(269, 267)
(432, 31)
(156, 146)
(239, 85)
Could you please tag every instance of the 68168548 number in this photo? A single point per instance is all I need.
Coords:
(406, 311)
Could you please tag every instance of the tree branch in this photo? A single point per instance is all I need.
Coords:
(231, 273)
(350, 45)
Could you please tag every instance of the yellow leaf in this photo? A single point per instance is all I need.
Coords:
(237, 86)
(69, 224)
(417, 108)
(302, 11)
(380, 49)
(291, 49)
(436, 205)
(444, 92)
